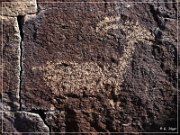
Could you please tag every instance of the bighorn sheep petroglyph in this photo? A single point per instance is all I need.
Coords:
(90, 76)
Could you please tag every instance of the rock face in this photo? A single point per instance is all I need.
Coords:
(89, 66)
(11, 59)
(18, 7)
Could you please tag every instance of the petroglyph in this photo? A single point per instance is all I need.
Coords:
(134, 33)
(76, 77)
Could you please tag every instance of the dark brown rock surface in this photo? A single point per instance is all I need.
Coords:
(11, 57)
(90, 66)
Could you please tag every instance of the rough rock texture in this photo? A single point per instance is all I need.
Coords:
(11, 57)
(11, 37)
(12, 122)
(18, 7)
(89, 66)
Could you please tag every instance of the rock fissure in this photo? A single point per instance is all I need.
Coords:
(20, 20)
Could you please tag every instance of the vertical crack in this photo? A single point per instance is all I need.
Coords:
(38, 8)
(105, 5)
(20, 20)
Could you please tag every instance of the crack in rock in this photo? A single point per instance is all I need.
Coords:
(20, 20)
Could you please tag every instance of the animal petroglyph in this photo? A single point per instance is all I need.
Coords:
(76, 77)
